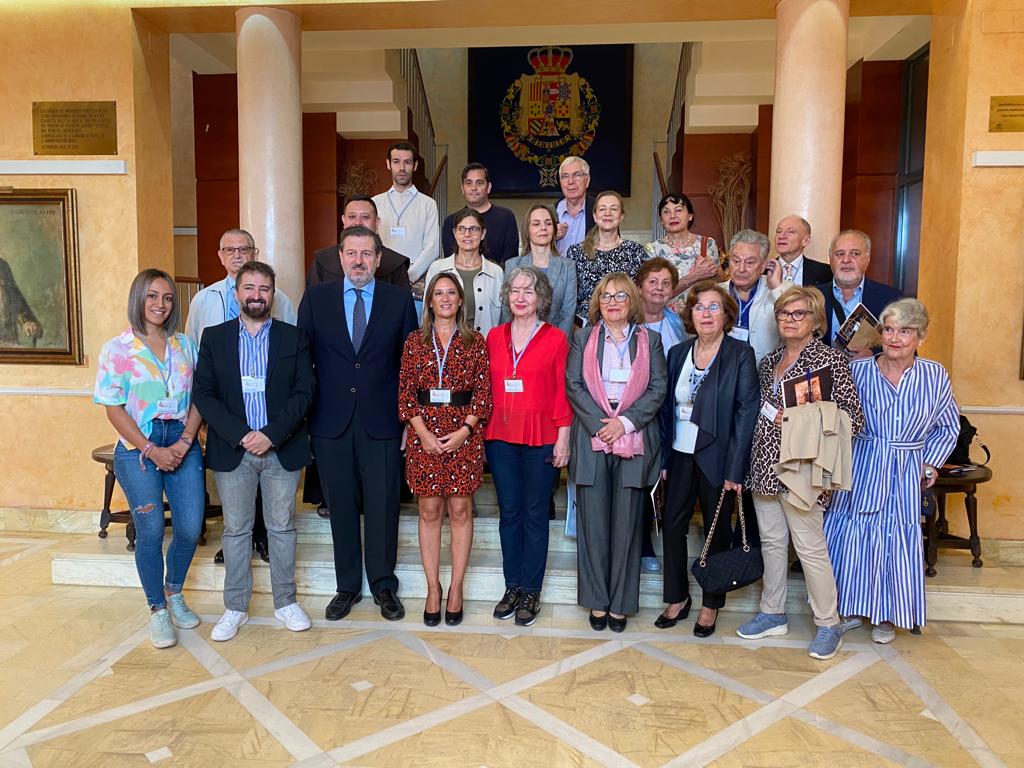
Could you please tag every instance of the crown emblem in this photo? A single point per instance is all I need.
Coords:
(550, 60)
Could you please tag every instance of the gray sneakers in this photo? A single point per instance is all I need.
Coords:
(826, 643)
(764, 625)
(181, 614)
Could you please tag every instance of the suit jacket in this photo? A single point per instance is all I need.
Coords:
(640, 471)
(367, 380)
(764, 330)
(326, 267)
(725, 410)
(562, 276)
(876, 297)
(290, 385)
(816, 272)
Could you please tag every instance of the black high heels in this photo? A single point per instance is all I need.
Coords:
(664, 622)
(452, 618)
(433, 618)
(705, 630)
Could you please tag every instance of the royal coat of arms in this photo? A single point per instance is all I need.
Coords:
(549, 115)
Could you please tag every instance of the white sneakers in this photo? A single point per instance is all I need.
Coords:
(227, 627)
(293, 617)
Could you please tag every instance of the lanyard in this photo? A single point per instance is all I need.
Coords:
(744, 306)
(165, 373)
(399, 214)
(517, 357)
(624, 349)
(696, 379)
(441, 363)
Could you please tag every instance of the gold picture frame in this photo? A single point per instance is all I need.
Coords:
(40, 294)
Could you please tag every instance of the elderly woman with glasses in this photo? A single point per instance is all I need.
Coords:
(874, 529)
(800, 314)
(616, 382)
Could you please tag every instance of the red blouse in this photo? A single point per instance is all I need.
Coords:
(533, 416)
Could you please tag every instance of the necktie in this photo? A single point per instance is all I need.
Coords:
(358, 320)
(788, 270)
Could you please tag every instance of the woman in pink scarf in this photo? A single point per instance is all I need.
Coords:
(616, 380)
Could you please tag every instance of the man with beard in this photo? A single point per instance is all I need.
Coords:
(253, 385)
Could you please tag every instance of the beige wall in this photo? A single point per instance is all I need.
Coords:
(183, 168)
(972, 230)
(654, 68)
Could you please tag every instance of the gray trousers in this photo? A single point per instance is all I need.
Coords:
(237, 491)
(608, 528)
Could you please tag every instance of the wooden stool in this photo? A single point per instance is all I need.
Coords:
(105, 456)
(937, 526)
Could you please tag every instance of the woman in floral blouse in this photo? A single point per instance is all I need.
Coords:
(694, 256)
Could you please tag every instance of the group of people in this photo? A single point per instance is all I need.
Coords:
(630, 365)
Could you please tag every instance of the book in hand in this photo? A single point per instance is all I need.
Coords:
(861, 330)
(807, 387)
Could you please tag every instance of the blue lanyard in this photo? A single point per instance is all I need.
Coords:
(399, 214)
(744, 314)
(696, 379)
(441, 363)
(517, 357)
(624, 349)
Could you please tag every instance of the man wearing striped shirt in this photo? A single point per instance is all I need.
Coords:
(253, 385)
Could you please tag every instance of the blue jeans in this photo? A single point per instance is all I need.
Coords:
(523, 481)
(145, 492)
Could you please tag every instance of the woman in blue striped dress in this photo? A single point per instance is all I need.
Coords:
(874, 530)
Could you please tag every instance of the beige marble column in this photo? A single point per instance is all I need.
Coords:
(807, 119)
(269, 60)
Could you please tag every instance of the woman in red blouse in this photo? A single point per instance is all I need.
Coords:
(527, 437)
(445, 395)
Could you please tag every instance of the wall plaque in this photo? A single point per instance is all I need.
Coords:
(1006, 114)
(74, 127)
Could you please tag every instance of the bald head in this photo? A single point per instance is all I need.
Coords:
(792, 236)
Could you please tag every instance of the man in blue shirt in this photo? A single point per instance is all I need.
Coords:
(575, 209)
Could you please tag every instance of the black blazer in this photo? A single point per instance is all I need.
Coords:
(326, 266)
(816, 272)
(876, 297)
(725, 411)
(217, 393)
(367, 380)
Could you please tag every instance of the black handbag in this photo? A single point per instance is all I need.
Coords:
(734, 568)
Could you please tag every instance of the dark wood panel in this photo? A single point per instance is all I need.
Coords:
(217, 211)
(215, 111)
(764, 169)
(319, 150)
(880, 110)
(875, 213)
(321, 221)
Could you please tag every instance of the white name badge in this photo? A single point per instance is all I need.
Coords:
(683, 412)
(167, 405)
(513, 385)
(743, 334)
(769, 411)
(440, 396)
(620, 375)
(253, 384)
(398, 231)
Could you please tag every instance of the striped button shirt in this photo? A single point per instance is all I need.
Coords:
(252, 361)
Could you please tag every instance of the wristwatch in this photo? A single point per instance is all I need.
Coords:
(929, 472)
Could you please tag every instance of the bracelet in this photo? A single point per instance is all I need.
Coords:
(468, 426)
(185, 440)
(142, 456)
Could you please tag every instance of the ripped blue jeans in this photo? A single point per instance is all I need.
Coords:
(145, 492)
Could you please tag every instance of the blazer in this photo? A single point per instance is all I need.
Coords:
(562, 276)
(764, 330)
(816, 272)
(725, 411)
(326, 266)
(367, 380)
(290, 386)
(640, 471)
(876, 297)
(485, 291)
(210, 307)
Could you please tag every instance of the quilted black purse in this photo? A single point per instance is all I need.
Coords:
(734, 568)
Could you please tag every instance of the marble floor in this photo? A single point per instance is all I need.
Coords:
(83, 687)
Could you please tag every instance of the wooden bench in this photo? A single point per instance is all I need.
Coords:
(937, 533)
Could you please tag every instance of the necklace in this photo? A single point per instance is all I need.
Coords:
(687, 241)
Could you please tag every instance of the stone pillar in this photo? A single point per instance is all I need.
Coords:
(807, 120)
(269, 62)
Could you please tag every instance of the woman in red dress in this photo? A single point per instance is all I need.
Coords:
(444, 395)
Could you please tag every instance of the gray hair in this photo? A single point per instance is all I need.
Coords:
(573, 159)
(751, 237)
(538, 281)
(137, 301)
(236, 231)
(859, 233)
(907, 313)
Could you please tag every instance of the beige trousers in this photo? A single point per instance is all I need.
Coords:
(777, 521)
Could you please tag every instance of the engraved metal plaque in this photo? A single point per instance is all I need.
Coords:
(1006, 114)
(74, 127)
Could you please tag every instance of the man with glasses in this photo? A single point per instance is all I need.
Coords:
(218, 303)
(575, 209)
(755, 282)
(502, 236)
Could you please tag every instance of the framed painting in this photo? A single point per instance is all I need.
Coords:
(40, 300)
(529, 108)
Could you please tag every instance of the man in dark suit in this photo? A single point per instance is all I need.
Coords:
(253, 385)
(575, 209)
(850, 254)
(792, 236)
(357, 328)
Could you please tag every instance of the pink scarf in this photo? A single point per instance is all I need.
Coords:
(632, 444)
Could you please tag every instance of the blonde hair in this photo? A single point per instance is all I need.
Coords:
(590, 241)
(635, 311)
(815, 303)
(466, 333)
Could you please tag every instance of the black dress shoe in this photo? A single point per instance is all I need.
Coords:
(433, 618)
(598, 623)
(391, 607)
(705, 630)
(219, 557)
(262, 550)
(616, 625)
(323, 511)
(664, 622)
(341, 604)
(452, 618)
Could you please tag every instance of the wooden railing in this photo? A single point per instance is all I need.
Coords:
(438, 176)
(435, 156)
(186, 288)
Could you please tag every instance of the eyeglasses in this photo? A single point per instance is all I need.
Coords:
(574, 176)
(713, 308)
(796, 314)
(244, 250)
(473, 230)
(619, 296)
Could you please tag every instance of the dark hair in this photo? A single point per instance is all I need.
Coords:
(526, 226)
(679, 199)
(467, 334)
(137, 301)
(260, 269)
(476, 167)
(361, 199)
(469, 213)
(729, 306)
(404, 146)
(358, 231)
(653, 265)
